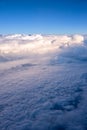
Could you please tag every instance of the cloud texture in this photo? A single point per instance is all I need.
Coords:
(44, 84)
(39, 44)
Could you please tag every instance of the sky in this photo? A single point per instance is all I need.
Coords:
(43, 16)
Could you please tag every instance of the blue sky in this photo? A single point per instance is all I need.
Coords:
(43, 16)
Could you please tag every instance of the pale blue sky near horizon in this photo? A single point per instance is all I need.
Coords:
(43, 16)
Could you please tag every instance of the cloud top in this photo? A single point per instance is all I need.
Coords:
(39, 44)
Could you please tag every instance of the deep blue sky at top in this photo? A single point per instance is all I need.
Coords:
(43, 16)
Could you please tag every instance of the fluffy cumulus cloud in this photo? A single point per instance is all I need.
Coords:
(39, 44)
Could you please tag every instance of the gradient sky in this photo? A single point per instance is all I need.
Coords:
(43, 16)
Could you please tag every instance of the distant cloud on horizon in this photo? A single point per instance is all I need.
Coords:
(39, 44)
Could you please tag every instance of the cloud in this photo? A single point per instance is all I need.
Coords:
(77, 39)
(39, 44)
(37, 95)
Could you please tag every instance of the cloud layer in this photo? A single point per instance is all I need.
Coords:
(41, 92)
(39, 44)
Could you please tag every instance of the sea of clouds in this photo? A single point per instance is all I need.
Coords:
(43, 82)
(20, 45)
(37, 43)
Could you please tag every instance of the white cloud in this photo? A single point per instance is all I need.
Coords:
(37, 43)
(77, 39)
